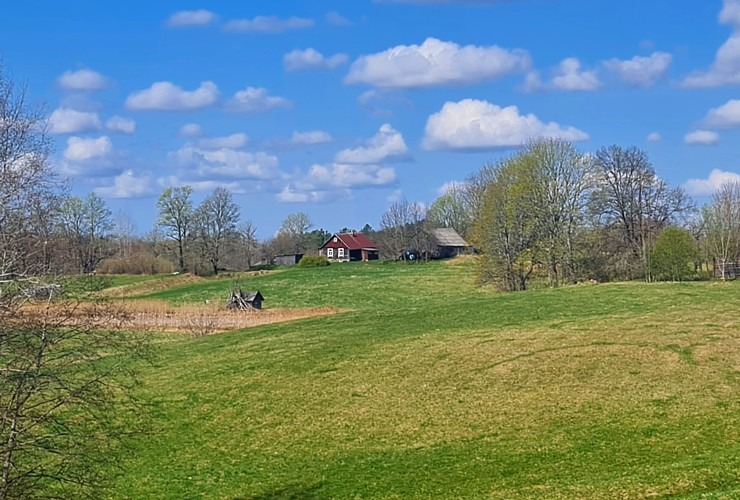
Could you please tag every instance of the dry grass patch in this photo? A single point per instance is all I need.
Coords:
(193, 319)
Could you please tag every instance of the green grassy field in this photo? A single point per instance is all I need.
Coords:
(428, 386)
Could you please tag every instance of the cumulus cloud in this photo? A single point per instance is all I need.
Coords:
(127, 185)
(233, 141)
(336, 19)
(184, 18)
(303, 60)
(339, 175)
(256, 100)
(83, 79)
(654, 137)
(569, 76)
(121, 125)
(226, 163)
(725, 116)
(701, 138)
(471, 125)
(705, 187)
(310, 138)
(290, 195)
(641, 71)
(71, 121)
(191, 130)
(267, 24)
(386, 146)
(79, 149)
(725, 70)
(436, 63)
(166, 96)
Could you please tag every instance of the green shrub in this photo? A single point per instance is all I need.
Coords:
(313, 261)
(673, 255)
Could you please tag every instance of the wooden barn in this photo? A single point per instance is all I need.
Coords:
(726, 269)
(288, 259)
(245, 300)
(346, 247)
(448, 243)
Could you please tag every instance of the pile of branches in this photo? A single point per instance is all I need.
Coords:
(239, 301)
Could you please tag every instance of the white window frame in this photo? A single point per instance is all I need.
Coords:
(340, 252)
(330, 252)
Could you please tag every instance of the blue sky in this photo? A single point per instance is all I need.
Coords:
(337, 108)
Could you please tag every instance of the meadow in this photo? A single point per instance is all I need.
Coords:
(424, 385)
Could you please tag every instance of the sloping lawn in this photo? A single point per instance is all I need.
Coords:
(429, 386)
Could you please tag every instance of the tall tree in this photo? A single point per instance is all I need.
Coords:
(632, 198)
(295, 226)
(449, 210)
(213, 221)
(249, 242)
(175, 217)
(86, 222)
(722, 224)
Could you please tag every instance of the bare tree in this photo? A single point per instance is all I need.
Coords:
(86, 222)
(295, 226)
(124, 231)
(631, 197)
(175, 218)
(722, 224)
(61, 370)
(213, 221)
(249, 242)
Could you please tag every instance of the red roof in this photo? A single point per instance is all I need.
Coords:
(354, 241)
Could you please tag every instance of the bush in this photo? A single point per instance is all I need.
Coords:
(674, 254)
(313, 261)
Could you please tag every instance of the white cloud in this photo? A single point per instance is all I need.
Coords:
(339, 175)
(302, 60)
(570, 77)
(396, 195)
(121, 124)
(79, 149)
(191, 130)
(386, 146)
(310, 138)
(200, 17)
(267, 24)
(654, 137)
(127, 185)
(705, 187)
(725, 70)
(166, 96)
(436, 63)
(336, 19)
(290, 195)
(71, 121)
(255, 100)
(479, 125)
(233, 141)
(83, 79)
(533, 82)
(725, 116)
(641, 71)
(226, 163)
(701, 138)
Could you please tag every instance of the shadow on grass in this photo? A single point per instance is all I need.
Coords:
(291, 492)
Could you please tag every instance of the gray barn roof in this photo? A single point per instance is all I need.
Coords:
(448, 237)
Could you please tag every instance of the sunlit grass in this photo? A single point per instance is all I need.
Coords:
(431, 387)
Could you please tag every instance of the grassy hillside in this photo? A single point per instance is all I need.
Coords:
(428, 386)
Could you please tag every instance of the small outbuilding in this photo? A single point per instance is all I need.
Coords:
(248, 300)
(288, 259)
(449, 243)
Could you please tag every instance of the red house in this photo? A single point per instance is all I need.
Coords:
(349, 247)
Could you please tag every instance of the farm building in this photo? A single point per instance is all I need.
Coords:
(448, 243)
(288, 259)
(726, 269)
(349, 247)
(249, 300)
